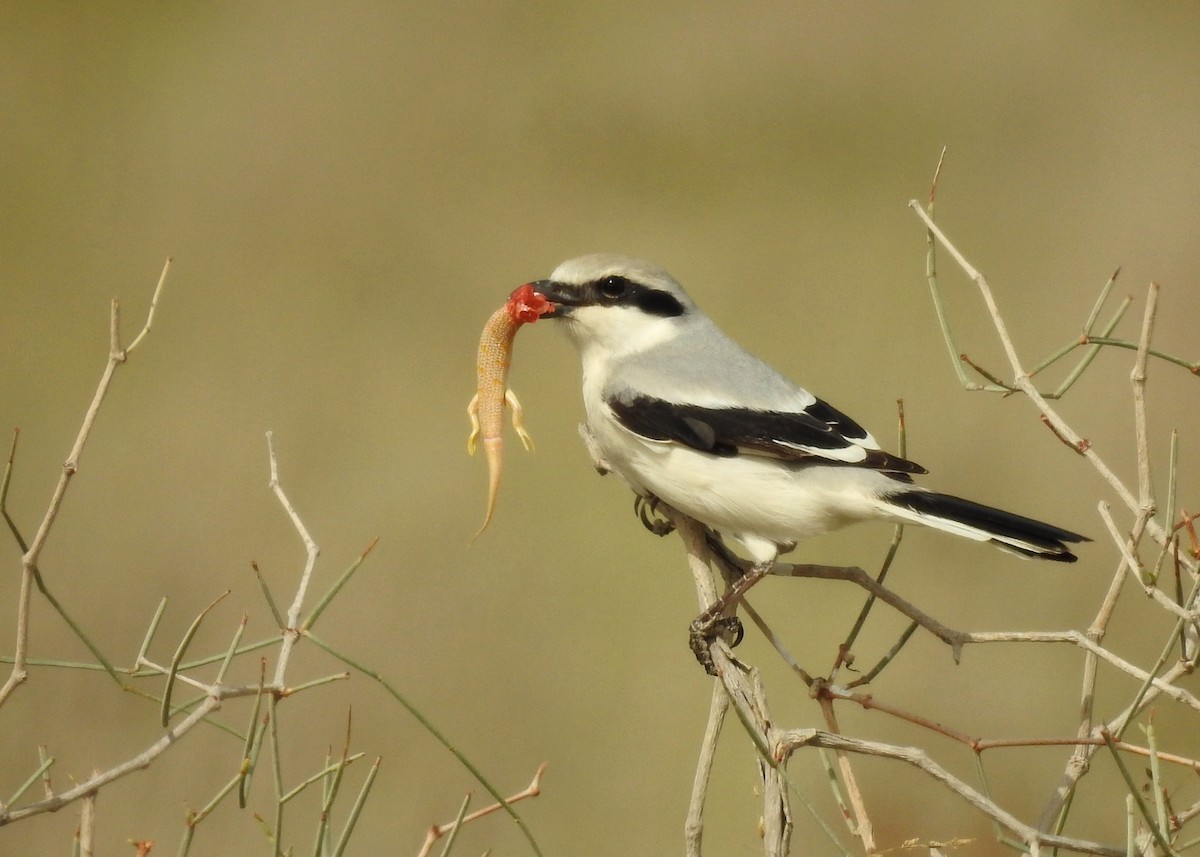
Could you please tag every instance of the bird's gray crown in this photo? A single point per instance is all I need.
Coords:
(597, 266)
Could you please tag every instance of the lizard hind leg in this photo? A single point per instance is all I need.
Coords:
(473, 416)
(518, 419)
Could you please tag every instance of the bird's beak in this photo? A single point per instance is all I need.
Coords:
(560, 296)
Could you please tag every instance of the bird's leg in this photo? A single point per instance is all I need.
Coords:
(714, 622)
(732, 566)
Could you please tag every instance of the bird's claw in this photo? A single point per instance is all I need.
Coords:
(707, 627)
(646, 507)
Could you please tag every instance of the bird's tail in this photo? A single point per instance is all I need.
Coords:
(1014, 533)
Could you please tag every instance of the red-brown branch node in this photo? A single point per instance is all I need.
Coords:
(1081, 447)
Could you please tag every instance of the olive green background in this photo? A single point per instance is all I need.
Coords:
(348, 190)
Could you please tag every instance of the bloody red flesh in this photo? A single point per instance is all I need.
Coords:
(526, 306)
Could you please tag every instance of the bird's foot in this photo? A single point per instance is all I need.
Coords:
(705, 628)
(718, 620)
(646, 507)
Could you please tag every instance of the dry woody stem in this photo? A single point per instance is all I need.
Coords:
(1168, 577)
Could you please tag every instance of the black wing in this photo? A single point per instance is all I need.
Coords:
(820, 434)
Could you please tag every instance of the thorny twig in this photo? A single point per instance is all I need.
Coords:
(212, 693)
(1022, 380)
(1141, 503)
(29, 561)
(743, 688)
(775, 745)
(693, 828)
(291, 632)
(437, 831)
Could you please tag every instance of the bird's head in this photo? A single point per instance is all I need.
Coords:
(616, 304)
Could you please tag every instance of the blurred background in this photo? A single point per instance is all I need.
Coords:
(348, 190)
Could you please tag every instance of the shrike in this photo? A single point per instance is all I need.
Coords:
(683, 414)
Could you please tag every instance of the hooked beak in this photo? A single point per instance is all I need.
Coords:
(561, 297)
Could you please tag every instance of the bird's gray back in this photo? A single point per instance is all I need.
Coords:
(702, 366)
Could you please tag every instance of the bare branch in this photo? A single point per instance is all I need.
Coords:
(437, 831)
(794, 739)
(139, 762)
(291, 632)
(29, 561)
(693, 828)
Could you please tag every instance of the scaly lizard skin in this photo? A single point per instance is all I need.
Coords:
(486, 410)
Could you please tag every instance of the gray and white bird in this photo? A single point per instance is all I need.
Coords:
(682, 413)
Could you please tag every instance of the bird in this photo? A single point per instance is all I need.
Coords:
(686, 416)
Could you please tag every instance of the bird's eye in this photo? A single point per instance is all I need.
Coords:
(613, 287)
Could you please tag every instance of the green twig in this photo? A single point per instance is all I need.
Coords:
(229, 653)
(436, 733)
(1176, 635)
(1156, 783)
(8, 468)
(54, 662)
(1172, 496)
(179, 652)
(957, 358)
(336, 587)
(185, 842)
(897, 536)
(986, 789)
(1193, 367)
(277, 770)
(1135, 793)
(997, 386)
(195, 818)
(1100, 301)
(456, 825)
(280, 622)
(330, 790)
(356, 810)
(253, 737)
(33, 778)
(891, 653)
(774, 640)
(198, 699)
(43, 756)
(931, 277)
(150, 631)
(829, 832)
(835, 786)
(1082, 339)
(315, 682)
(1092, 352)
(77, 629)
(212, 659)
(320, 775)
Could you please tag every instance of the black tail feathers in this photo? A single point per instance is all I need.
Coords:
(1015, 533)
